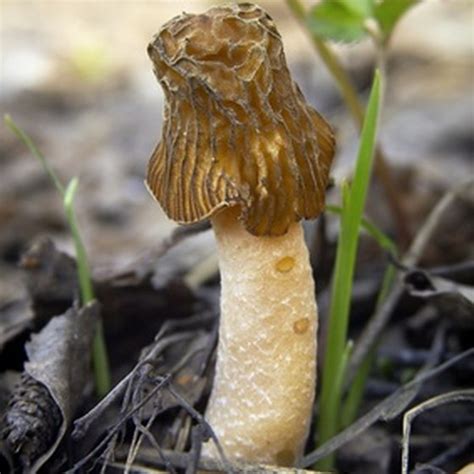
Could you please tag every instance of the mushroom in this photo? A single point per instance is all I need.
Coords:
(241, 147)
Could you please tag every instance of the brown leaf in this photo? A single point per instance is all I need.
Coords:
(52, 385)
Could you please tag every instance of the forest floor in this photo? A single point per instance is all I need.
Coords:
(78, 80)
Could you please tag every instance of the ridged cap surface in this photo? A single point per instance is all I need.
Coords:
(237, 129)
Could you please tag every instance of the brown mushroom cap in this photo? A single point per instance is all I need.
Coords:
(237, 129)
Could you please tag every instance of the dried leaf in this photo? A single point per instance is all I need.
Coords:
(51, 278)
(453, 300)
(53, 382)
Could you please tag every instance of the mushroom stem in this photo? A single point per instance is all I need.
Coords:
(262, 398)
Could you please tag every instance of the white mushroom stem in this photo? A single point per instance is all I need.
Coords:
(261, 403)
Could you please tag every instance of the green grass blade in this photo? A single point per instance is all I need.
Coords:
(83, 270)
(353, 206)
(23, 137)
(355, 393)
(365, 158)
(383, 240)
(354, 397)
(99, 352)
(332, 404)
(100, 359)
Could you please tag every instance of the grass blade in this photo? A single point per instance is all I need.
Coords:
(383, 240)
(83, 271)
(100, 358)
(353, 205)
(23, 137)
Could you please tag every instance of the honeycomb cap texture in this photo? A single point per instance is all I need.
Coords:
(237, 130)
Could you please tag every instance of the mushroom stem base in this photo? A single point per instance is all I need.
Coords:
(261, 403)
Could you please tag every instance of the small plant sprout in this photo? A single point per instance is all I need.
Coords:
(242, 147)
(67, 193)
(353, 200)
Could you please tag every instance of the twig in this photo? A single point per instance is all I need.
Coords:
(107, 455)
(434, 218)
(458, 272)
(140, 432)
(145, 432)
(385, 410)
(201, 420)
(455, 396)
(197, 436)
(463, 443)
(82, 425)
(380, 318)
(130, 387)
(114, 430)
(207, 432)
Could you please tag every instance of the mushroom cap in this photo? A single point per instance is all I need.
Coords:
(237, 130)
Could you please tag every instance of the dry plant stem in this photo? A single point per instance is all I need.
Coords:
(83, 424)
(112, 432)
(451, 397)
(260, 406)
(390, 407)
(382, 168)
(464, 442)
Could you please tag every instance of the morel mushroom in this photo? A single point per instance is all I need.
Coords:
(242, 147)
